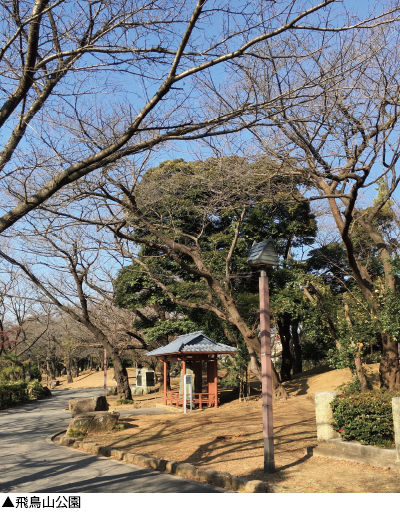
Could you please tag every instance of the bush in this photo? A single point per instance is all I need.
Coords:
(365, 417)
(35, 373)
(75, 432)
(352, 387)
(35, 390)
(124, 401)
(118, 427)
(13, 393)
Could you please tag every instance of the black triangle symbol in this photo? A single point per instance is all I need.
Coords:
(8, 503)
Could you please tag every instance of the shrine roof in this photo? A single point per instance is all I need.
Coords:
(192, 343)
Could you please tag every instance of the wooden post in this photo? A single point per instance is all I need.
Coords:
(266, 374)
(183, 376)
(210, 379)
(105, 372)
(216, 381)
(165, 382)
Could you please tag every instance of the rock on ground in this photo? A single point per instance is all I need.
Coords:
(94, 422)
(90, 404)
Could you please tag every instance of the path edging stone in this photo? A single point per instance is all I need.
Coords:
(183, 469)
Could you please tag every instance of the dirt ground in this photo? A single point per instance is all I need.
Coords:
(230, 439)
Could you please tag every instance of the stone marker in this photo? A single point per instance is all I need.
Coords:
(324, 416)
(112, 390)
(90, 404)
(94, 422)
(396, 424)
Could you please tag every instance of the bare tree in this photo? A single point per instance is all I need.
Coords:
(77, 282)
(85, 84)
(344, 143)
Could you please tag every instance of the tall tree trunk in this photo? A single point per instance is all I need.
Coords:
(297, 354)
(389, 367)
(121, 377)
(279, 391)
(360, 372)
(357, 355)
(284, 332)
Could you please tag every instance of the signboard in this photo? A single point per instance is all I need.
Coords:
(187, 383)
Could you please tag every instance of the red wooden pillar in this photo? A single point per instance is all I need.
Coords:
(216, 381)
(165, 381)
(212, 379)
(183, 377)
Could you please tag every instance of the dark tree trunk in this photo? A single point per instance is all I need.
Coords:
(284, 332)
(100, 357)
(389, 367)
(297, 355)
(52, 370)
(360, 372)
(255, 368)
(121, 377)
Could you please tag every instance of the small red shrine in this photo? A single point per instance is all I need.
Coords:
(193, 348)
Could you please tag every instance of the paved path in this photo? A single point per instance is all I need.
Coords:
(29, 464)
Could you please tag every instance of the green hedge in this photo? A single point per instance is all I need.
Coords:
(11, 394)
(365, 417)
(19, 392)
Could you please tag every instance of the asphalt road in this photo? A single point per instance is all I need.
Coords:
(30, 464)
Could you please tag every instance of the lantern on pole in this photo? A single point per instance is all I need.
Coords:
(28, 377)
(264, 255)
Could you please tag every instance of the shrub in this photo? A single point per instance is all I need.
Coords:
(35, 373)
(365, 417)
(35, 390)
(75, 432)
(13, 393)
(124, 401)
(118, 427)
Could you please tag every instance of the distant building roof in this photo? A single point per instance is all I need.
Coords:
(192, 343)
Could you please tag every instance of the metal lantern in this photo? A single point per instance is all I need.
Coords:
(263, 254)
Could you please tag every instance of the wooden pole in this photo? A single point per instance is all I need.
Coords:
(105, 372)
(216, 381)
(165, 382)
(266, 375)
(183, 379)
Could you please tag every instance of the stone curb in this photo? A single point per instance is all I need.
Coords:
(209, 476)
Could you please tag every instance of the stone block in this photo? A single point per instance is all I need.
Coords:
(324, 416)
(94, 422)
(112, 390)
(136, 390)
(355, 451)
(67, 441)
(90, 404)
(139, 459)
(170, 467)
(161, 464)
(117, 454)
(105, 451)
(94, 448)
(54, 383)
(238, 484)
(185, 470)
(128, 457)
(206, 475)
(396, 424)
(223, 480)
(256, 486)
